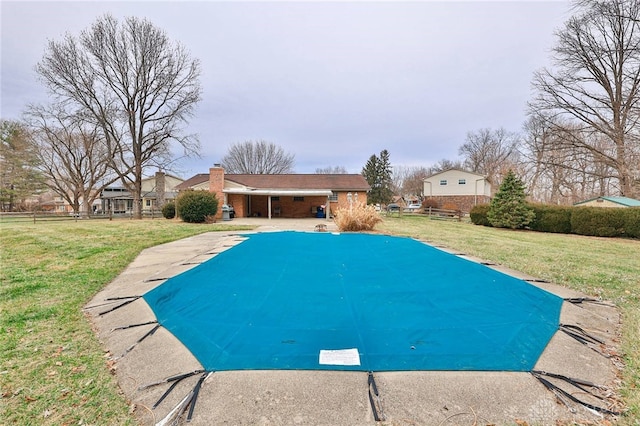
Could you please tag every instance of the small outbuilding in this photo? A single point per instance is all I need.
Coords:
(605, 201)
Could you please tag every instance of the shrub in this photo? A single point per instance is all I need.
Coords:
(356, 218)
(169, 210)
(550, 218)
(632, 222)
(430, 202)
(478, 214)
(195, 206)
(598, 221)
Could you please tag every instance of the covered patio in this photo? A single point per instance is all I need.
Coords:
(294, 196)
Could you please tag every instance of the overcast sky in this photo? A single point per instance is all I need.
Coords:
(330, 82)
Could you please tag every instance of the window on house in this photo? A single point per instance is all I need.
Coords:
(148, 203)
(462, 181)
(275, 198)
(298, 198)
(333, 197)
(443, 182)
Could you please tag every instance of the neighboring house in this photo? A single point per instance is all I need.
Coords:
(53, 202)
(457, 189)
(156, 191)
(281, 195)
(609, 202)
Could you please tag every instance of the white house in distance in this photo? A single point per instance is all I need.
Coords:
(456, 189)
(156, 191)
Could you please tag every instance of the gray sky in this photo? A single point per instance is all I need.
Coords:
(330, 82)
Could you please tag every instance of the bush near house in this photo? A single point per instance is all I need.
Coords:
(169, 210)
(478, 215)
(195, 206)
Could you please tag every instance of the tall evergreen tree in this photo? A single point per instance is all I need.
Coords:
(508, 209)
(385, 173)
(378, 173)
(19, 176)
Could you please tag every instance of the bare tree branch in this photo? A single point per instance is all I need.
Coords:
(257, 157)
(130, 81)
(594, 86)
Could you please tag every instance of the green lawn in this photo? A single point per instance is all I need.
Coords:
(53, 369)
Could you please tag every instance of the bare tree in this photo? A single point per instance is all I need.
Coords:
(335, 170)
(558, 173)
(490, 152)
(73, 156)
(409, 181)
(595, 85)
(134, 84)
(258, 158)
(444, 165)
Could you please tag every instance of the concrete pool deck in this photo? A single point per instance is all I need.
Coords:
(338, 397)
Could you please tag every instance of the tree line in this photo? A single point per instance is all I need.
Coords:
(122, 94)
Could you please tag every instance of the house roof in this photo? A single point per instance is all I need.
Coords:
(293, 184)
(453, 170)
(334, 182)
(193, 181)
(623, 201)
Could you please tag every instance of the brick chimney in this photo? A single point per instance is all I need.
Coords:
(216, 185)
(160, 189)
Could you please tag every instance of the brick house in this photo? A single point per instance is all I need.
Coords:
(456, 189)
(281, 195)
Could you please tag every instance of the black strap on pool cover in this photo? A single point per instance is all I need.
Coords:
(376, 405)
(128, 300)
(585, 338)
(147, 334)
(581, 300)
(577, 383)
(170, 379)
(175, 379)
(125, 327)
(188, 401)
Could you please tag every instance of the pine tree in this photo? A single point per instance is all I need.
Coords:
(508, 209)
(378, 173)
(384, 175)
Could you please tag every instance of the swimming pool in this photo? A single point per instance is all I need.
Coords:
(350, 301)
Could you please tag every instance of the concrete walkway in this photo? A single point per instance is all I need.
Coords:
(335, 397)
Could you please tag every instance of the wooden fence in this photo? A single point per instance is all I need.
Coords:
(35, 217)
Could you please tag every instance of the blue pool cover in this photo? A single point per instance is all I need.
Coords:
(317, 301)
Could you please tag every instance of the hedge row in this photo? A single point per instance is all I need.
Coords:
(593, 221)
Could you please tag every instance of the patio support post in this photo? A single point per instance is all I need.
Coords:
(327, 210)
